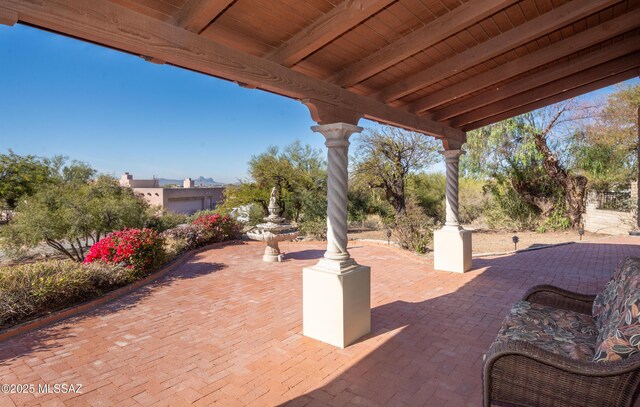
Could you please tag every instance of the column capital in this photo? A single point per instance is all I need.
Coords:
(326, 113)
(452, 155)
(337, 134)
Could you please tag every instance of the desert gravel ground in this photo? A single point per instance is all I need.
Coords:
(489, 241)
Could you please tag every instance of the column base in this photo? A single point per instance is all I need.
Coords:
(336, 302)
(452, 249)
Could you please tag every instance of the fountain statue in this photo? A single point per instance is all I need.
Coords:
(273, 231)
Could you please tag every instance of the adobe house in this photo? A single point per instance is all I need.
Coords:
(434, 68)
(187, 200)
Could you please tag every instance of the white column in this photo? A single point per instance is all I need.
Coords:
(452, 243)
(452, 160)
(337, 142)
(337, 290)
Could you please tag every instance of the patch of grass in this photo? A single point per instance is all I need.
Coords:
(31, 290)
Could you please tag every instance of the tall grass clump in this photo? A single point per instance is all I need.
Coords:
(31, 290)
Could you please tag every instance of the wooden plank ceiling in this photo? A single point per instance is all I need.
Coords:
(440, 67)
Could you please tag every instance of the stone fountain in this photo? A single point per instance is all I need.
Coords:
(273, 231)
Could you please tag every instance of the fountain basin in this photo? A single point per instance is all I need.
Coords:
(272, 251)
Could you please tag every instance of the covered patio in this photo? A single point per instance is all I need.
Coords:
(440, 68)
(225, 329)
(229, 328)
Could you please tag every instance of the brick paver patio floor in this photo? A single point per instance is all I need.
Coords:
(225, 329)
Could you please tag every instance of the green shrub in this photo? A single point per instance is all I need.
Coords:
(507, 210)
(428, 191)
(358, 205)
(314, 229)
(374, 222)
(472, 200)
(556, 221)
(414, 229)
(31, 290)
(256, 215)
(161, 220)
(364, 201)
(174, 245)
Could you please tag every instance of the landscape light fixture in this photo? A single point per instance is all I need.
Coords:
(388, 237)
(581, 232)
(515, 241)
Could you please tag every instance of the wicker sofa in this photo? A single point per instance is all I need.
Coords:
(560, 348)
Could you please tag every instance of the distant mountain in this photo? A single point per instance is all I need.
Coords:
(207, 182)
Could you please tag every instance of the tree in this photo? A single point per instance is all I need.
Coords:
(385, 156)
(298, 173)
(616, 130)
(606, 166)
(21, 175)
(25, 175)
(617, 122)
(63, 215)
(77, 172)
(429, 192)
(619, 127)
(529, 150)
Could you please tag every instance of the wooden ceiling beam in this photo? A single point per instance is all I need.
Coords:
(522, 34)
(423, 38)
(105, 23)
(195, 15)
(561, 86)
(8, 17)
(541, 78)
(336, 22)
(575, 43)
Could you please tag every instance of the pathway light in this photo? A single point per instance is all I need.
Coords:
(515, 241)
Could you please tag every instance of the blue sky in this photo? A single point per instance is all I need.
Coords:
(119, 113)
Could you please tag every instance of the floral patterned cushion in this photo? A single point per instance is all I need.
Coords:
(606, 301)
(619, 322)
(607, 296)
(563, 332)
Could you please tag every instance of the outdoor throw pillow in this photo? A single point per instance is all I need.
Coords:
(619, 335)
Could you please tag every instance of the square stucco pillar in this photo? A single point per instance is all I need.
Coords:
(336, 292)
(336, 304)
(452, 243)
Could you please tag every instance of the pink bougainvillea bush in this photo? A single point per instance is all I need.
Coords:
(203, 230)
(218, 228)
(138, 249)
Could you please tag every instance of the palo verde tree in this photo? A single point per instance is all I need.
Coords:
(385, 156)
(298, 172)
(66, 215)
(25, 175)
